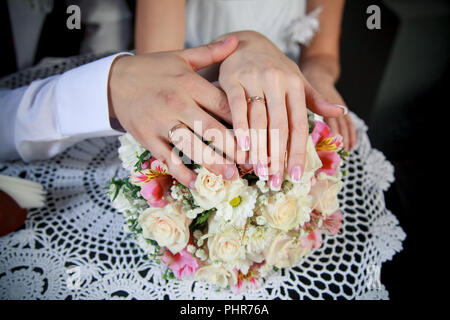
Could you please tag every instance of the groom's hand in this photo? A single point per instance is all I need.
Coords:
(151, 94)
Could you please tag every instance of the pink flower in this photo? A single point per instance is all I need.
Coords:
(333, 223)
(156, 191)
(323, 139)
(321, 132)
(330, 162)
(312, 240)
(248, 281)
(182, 264)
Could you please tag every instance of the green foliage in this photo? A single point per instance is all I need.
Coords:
(201, 220)
(144, 156)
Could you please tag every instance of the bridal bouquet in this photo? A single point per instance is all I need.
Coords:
(230, 233)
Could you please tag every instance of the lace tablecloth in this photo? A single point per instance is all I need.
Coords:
(75, 247)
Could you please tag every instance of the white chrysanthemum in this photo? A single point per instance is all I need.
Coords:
(129, 150)
(145, 245)
(238, 205)
(257, 240)
(123, 204)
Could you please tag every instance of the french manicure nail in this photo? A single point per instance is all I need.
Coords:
(244, 142)
(275, 183)
(342, 107)
(229, 172)
(296, 174)
(192, 185)
(262, 171)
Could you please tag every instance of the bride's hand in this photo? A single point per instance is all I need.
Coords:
(150, 94)
(258, 68)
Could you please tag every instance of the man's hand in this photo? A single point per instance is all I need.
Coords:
(150, 94)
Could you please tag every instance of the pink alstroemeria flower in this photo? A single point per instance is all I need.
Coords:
(327, 147)
(330, 162)
(312, 240)
(249, 281)
(333, 223)
(157, 190)
(182, 264)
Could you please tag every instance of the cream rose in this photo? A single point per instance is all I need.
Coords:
(324, 193)
(168, 226)
(226, 247)
(217, 275)
(209, 189)
(284, 251)
(288, 212)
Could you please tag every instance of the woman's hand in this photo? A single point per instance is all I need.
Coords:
(151, 94)
(259, 69)
(323, 82)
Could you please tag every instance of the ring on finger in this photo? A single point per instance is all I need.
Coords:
(256, 99)
(172, 130)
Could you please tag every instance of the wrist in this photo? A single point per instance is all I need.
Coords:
(320, 68)
(114, 75)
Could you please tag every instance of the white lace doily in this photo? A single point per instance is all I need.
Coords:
(76, 247)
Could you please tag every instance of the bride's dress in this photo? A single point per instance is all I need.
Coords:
(284, 22)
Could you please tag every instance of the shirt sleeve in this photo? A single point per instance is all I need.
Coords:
(40, 120)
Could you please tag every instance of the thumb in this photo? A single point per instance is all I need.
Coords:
(318, 104)
(204, 56)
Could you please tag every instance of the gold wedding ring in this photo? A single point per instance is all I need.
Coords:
(174, 128)
(256, 99)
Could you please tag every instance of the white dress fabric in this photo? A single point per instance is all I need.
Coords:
(284, 22)
(75, 247)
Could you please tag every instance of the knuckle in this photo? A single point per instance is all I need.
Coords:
(170, 98)
(248, 75)
(295, 81)
(273, 74)
(237, 103)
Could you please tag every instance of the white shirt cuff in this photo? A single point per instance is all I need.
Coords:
(82, 100)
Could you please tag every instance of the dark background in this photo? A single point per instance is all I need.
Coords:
(396, 79)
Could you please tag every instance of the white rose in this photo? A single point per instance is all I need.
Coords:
(324, 193)
(287, 212)
(218, 275)
(226, 247)
(129, 150)
(209, 189)
(168, 226)
(284, 251)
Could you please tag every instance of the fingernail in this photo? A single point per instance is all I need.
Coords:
(342, 107)
(296, 174)
(244, 142)
(229, 172)
(192, 185)
(275, 183)
(262, 171)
